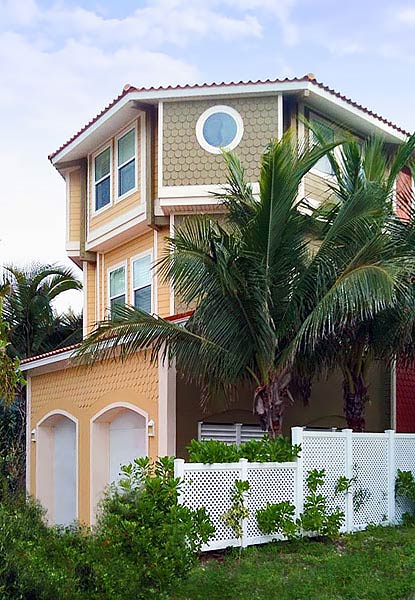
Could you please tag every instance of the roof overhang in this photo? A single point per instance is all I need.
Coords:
(124, 108)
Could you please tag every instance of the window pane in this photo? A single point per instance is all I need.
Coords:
(102, 193)
(117, 301)
(327, 135)
(220, 129)
(142, 298)
(142, 272)
(126, 147)
(102, 164)
(126, 178)
(117, 282)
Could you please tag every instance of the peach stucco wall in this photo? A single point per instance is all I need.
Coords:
(83, 392)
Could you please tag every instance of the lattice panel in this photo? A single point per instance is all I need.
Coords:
(268, 484)
(370, 491)
(329, 453)
(211, 489)
(405, 461)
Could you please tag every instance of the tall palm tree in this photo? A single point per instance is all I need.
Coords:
(353, 349)
(28, 308)
(265, 298)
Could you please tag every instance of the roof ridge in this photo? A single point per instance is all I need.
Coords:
(128, 88)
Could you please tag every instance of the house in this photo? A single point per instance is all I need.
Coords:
(147, 160)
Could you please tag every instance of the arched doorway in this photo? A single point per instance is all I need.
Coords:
(56, 467)
(118, 436)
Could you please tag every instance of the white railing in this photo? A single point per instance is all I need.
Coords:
(370, 460)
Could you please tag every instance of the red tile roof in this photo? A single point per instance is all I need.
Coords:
(130, 88)
(25, 361)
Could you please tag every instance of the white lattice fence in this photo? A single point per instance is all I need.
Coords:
(370, 460)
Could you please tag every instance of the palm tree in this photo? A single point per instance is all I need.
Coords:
(28, 308)
(265, 298)
(353, 349)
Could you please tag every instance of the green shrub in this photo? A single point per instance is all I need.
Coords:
(264, 450)
(316, 519)
(278, 518)
(143, 544)
(405, 490)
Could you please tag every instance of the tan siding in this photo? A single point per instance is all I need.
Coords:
(185, 162)
(84, 391)
(74, 208)
(121, 207)
(155, 161)
(317, 187)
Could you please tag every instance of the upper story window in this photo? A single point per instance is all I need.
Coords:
(219, 128)
(327, 134)
(141, 284)
(126, 163)
(102, 178)
(117, 287)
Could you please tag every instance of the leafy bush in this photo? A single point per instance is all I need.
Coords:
(264, 450)
(315, 519)
(143, 543)
(405, 490)
(238, 511)
(278, 518)
(145, 540)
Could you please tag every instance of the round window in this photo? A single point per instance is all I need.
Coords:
(219, 128)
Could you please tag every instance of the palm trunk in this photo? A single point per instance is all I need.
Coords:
(355, 396)
(270, 402)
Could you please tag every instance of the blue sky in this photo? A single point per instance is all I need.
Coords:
(62, 61)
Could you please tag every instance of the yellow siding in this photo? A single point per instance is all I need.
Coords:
(83, 392)
(91, 296)
(163, 288)
(74, 207)
(118, 208)
(121, 254)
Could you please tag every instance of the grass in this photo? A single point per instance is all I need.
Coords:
(375, 564)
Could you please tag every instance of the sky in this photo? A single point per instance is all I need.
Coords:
(62, 61)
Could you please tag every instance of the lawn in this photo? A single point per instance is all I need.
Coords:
(378, 563)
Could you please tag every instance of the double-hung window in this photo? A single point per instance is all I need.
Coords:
(141, 271)
(126, 163)
(102, 179)
(117, 287)
(326, 135)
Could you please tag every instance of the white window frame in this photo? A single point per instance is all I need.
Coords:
(96, 211)
(316, 171)
(131, 127)
(211, 111)
(152, 276)
(110, 269)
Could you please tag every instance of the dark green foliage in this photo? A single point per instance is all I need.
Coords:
(405, 490)
(315, 520)
(12, 448)
(278, 518)
(279, 449)
(144, 543)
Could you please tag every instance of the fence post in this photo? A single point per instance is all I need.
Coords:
(391, 475)
(179, 474)
(349, 474)
(243, 463)
(238, 431)
(297, 437)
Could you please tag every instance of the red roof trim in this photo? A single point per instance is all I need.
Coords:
(56, 352)
(129, 88)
